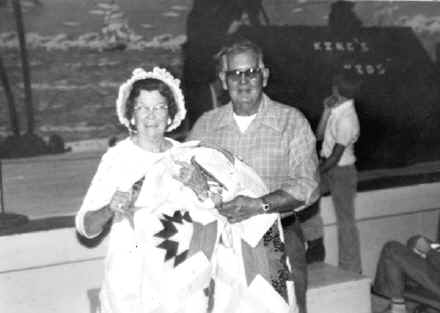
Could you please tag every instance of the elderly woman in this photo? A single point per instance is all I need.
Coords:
(148, 104)
(170, 248)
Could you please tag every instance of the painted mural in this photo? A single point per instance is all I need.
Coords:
(80, 51)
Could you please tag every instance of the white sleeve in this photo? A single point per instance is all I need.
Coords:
(99, 194)
(347, 131)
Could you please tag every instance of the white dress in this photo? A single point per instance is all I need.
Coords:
(177, 245)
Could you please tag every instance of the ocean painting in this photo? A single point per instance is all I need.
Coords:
(80, 51)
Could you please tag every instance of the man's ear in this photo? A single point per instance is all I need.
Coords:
(266, 73)
(222, 76)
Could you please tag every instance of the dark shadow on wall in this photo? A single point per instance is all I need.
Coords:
(209, 24)
(399, 102)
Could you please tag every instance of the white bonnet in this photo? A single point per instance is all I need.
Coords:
(162, 75)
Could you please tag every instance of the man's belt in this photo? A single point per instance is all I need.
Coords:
(288, 219)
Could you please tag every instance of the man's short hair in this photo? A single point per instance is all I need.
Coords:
(348, 84)
(237, 47)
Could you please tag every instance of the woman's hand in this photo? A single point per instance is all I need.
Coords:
(120, 201)
(120, 204)
(193, 178)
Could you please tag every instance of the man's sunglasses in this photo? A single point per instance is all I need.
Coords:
(249, 74)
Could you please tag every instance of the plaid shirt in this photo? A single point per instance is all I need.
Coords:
(279, 145)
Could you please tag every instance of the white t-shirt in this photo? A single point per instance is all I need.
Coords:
(243, 121)
(343, 128)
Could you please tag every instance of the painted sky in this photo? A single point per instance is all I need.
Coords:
(152, 18)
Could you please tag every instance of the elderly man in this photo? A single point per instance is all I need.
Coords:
(275, 139)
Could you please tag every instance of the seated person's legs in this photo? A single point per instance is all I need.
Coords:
(390, 278)
(397, 265)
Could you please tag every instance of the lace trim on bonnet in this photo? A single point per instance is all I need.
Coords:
(162, 75)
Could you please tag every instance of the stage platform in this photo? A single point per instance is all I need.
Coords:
(64, 269)
(54, 185)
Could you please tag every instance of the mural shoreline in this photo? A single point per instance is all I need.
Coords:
(75, 76)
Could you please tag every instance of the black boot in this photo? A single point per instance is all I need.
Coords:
(315, 251)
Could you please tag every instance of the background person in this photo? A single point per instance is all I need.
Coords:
(339, 130)
(148, 104)
(274, 139)
(417, 263)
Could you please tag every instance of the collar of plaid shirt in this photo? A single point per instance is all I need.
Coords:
(264, 115)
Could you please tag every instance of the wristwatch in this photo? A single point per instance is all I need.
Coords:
(266, 206)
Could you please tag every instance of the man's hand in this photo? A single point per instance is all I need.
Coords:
(330, 102)
(423, 245)
(420, 245)
(332, 161)
(241, 208)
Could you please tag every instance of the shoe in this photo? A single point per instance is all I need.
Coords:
(315, 251)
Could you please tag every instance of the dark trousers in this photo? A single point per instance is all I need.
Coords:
(341, 181)
(399, 265)
(295, 249)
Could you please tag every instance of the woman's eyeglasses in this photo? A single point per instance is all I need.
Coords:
(157, 109)
(251, 74)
